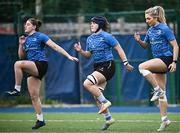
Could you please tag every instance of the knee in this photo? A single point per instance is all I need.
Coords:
(17, 64)
(91, 80)
(86, 84)
(143, 70)
(34, 97)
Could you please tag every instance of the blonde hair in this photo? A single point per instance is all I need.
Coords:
(157, 12)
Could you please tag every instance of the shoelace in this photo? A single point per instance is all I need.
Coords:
(154, 91)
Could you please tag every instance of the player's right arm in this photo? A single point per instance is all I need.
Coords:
(78, 48)
(138, 39)
(21, 51)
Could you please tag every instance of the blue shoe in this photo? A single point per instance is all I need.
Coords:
(38, 124)
(107, 124)
(13, 93)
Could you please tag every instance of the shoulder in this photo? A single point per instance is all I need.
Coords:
(106, 34)
(163, 26)
(42, 35)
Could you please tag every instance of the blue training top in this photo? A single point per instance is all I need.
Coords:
(34, 46)
(159, 37)
(100, 45)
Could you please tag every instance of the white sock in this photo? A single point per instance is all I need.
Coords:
(107, 115)
(17, 87)
(40, 117)
(102, 99)
(156, 88)
(164, 118)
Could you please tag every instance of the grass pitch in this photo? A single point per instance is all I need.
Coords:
(87, 123)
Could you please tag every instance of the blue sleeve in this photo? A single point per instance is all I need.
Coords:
(44, 38)
(146, 39)
(169, 34)
(87, 44)
(111, 40)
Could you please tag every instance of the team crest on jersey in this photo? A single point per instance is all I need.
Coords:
(34, 39)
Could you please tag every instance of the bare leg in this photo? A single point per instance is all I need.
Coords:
(19, 67)
(27, 66)
(34, 88)
(161, 79)
(18, 73)
(94, 88)
(152, 80)
(34, 85)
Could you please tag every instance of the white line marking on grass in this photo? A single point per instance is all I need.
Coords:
(137, 121)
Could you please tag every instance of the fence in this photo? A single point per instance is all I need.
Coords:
(70, 28)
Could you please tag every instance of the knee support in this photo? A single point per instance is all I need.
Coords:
(144, 72)
(102, 86)
(163, 98)
(92, 79)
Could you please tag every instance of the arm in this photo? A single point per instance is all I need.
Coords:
(78, 48)
(60, 50)
(175, 46)
(21, 52)
(123, 57)
(138, 39)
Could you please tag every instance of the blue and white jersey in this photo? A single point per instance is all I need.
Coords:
(159, 37)
(34, 46)
(100, 45)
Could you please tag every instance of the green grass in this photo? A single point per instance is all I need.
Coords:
(87, 123)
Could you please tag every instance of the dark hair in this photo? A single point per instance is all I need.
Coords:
(35, 22)
(102, 22)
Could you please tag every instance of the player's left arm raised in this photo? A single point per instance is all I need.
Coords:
(60, 50)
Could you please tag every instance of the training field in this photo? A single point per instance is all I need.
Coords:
(87, 123)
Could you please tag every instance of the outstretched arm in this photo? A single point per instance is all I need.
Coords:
(123, 57)
(60, 50)
(78, 48)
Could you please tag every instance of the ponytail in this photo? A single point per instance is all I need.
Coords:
(157, 12)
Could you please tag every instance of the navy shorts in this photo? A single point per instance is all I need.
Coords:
(42, 67)
(106, 68)
(167, 60)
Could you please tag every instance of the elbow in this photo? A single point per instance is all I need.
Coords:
(145, 46)
(21, 55)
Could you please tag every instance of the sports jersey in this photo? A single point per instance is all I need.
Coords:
(158, 37)
(34, 46)
(100, 45)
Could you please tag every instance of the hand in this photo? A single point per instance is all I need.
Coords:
(77, 47)
(73, 58)
(129, 67)
(137, 36)
(22, 40)
(172, 67)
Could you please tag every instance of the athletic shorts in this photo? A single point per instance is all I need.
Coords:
(167, 60)
(42, 67)
(106, 68)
